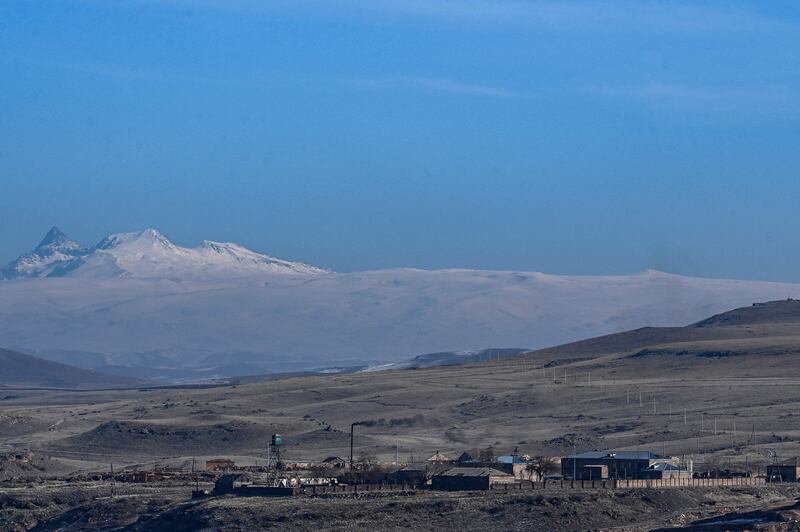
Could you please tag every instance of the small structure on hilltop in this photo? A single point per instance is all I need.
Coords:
(596, 465)
(787, 472)
(470, 479)
(220, 464)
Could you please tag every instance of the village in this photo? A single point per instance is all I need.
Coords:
(474, 470)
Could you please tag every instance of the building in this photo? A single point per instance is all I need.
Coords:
(137, 476)
(610, 464)
(511, 464)
(410, 476)
(786, 472)
(439, 457)
(335, 461)
(469, 479)
(219, 464)
(466, 458)
(664, 471)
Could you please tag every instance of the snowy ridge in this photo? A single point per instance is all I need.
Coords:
(54, 251)
(146, 254)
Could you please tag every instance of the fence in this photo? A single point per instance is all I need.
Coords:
(621, 484)
(268, 491)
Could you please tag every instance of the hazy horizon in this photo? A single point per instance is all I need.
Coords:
(570, 137)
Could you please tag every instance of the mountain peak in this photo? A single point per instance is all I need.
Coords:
(53, 252)
(149, 236)
(53, 236)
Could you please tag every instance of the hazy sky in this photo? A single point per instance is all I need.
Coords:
(559, 136)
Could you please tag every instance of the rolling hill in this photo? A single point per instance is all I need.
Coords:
(18, 369)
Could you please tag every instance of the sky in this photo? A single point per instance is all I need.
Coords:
(570, 137)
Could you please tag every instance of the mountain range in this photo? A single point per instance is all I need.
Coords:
(144, 254)
(136, 304)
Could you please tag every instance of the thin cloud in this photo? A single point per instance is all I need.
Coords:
(442, 85)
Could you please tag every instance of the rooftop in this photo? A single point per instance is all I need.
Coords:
(618, 455)
(665, 467)
(509, 459)
(439, 457)
(474, 472)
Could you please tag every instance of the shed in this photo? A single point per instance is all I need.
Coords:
(786, 472)
(413, 476)
(470, 478)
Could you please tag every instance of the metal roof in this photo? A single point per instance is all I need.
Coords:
(665, 467)
(509, 459)
(439, 457)
(474, 472)
(618, 455)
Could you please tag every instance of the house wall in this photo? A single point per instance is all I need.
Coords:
(447, 483)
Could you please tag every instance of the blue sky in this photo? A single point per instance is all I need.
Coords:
(573, 137)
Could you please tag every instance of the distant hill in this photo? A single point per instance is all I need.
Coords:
(18, 369)
(773, 312)
(760, 330)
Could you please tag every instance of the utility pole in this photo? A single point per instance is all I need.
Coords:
(640, 398)
(715, 425)
(196, 480)
(654, 405)
(628, 396)
(684, 417)
(574, 459)
(113, 485)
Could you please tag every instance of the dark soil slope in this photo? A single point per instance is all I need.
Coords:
(18, 369)
(774, 322)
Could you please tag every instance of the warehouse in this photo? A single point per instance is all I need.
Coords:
(610, 464)
(470, 478)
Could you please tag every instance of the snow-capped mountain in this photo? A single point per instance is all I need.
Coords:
(54, 251)
(147, 254)
(117, 307)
